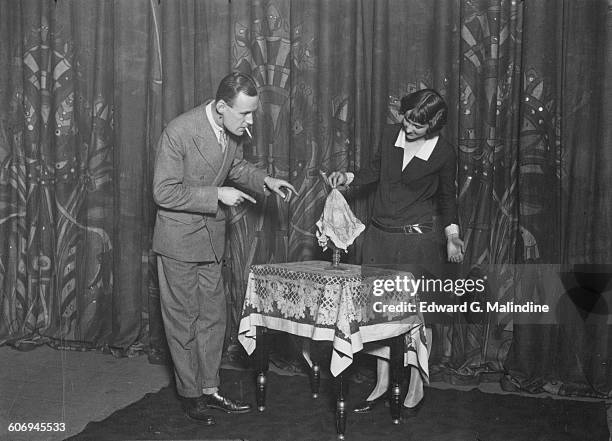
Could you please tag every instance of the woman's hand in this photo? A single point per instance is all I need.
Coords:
(337, 179)
(454, 249)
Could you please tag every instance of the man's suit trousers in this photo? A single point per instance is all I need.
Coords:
(194, 311)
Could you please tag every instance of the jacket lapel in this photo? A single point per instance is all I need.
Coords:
(206, 143)
(228, 155)
(208, 147)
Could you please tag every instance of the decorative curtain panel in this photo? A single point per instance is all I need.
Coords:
(89, 85)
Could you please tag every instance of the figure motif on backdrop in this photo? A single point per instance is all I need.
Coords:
(415, 170)
(265, 47)
(45, 159)
(197, 153)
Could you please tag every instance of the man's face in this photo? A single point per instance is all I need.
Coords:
(240, 115)
(413, 130)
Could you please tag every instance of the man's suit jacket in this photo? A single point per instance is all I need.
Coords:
(189, 166)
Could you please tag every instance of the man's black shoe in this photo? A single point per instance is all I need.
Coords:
(216, 401)
(196, 410)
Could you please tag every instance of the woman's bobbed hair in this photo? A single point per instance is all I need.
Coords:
(426, 107)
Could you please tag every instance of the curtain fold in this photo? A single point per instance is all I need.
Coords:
(89, 86)
(563, 150)
(582, 129)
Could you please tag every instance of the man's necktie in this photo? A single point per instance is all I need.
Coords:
(224, 140)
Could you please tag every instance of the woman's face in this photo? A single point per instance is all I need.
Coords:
(413, 130)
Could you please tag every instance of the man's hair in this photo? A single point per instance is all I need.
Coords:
(231, 85)
(426, 107)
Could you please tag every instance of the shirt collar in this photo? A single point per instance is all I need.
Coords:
(426, 149)
(216, 127)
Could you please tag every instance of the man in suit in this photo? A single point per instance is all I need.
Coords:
(198, 152)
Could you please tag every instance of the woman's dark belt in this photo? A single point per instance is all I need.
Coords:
(421, 228)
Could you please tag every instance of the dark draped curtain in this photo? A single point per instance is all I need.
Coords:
(87, 86)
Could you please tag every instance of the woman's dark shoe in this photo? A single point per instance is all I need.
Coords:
(411, 412)
(367, 405)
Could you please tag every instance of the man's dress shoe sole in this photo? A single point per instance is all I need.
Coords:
(205, 419)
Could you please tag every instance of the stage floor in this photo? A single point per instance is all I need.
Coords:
(47, 385)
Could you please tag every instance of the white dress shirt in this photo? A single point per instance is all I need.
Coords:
(219, 131)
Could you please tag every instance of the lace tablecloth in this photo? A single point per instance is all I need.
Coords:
(309, 299)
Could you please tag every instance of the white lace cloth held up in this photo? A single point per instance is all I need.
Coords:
(338, 223)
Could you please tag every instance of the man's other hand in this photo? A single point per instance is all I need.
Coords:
(277, 185)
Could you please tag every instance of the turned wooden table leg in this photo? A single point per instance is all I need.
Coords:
(340, 407)
(397, 368)
(315, 379)
(262, 357)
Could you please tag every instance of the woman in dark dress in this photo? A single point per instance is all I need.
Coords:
(415, 171)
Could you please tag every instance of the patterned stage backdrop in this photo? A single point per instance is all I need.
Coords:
(91, 84)
(57, 169)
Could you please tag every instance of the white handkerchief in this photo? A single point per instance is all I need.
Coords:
(338, 221)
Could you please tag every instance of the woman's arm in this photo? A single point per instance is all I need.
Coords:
(369, 174)
(447, 201)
